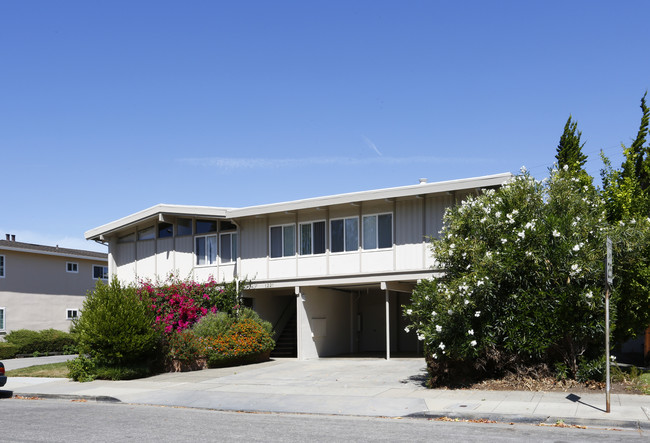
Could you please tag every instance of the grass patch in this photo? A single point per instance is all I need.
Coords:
(55, 370)
(644, 383)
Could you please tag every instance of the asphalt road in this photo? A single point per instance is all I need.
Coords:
(28, 420)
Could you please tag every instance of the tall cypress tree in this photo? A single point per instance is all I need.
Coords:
(569, 150)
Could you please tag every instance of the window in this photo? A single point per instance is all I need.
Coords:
(183, 227)
(228, 251)
(126, 238)
(205, 226)
(71, 314)
(206, 250)
(378, 231)
(2, 266)
(72, 267)
(147, 233)
(283, 241)
(344, 234)
(165, 230)
(312, 238)
(2, 317)
(100, 272)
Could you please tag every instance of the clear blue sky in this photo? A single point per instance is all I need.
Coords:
(107, 108)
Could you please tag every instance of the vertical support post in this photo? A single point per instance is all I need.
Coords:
(387, 325)
(607, 362)
(299, 311)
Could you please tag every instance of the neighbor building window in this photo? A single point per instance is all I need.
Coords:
(72, 267)
(378, 231)
(283, 241)
(183, 227)
(312, 238)
(100, 272)
(2, 266)
(205, 250)
(228, 251)
(165, 230)
(2, 317)
(71, 314)
(344, 234)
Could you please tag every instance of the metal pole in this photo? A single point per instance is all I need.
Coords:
(608, 388)
(387, 325)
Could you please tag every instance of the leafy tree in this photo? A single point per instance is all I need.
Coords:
(626, 192)
(569, 150)
(115, 326)
(523, 280)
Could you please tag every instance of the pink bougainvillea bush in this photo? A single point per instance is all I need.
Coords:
(178, 304)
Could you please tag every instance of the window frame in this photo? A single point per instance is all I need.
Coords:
(233, 246)
(207, 256)
(105, 275)
(75, 267)
(311, 237)
(282, 240)
(3, 266)
(3, 318)
(377, 236)
(345, 235)
(68, 311)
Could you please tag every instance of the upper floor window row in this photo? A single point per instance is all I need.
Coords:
(183, 227)
(376, 230)
(2, 266)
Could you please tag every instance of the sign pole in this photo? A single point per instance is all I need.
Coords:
(608, 282)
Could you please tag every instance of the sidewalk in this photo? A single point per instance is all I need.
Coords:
(361, 387)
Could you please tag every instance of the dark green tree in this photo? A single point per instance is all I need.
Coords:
(569, 150)
(626, 192)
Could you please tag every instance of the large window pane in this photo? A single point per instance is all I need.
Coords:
(200, 251)
(233, 238)
(165, 230)
(385, 229)
(319, 237)
(184, 227)
(276, 241)
(212, 249)
(351, 234)
(370, 232)
(226, 248)
(289, 241)
(336, 235)
(205, 226)
(305, 239)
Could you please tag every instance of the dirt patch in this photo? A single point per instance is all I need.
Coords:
(515, 382)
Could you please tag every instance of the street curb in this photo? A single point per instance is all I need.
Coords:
(96, 398)
(544, 420)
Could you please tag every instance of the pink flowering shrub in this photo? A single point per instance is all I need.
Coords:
(178, 304)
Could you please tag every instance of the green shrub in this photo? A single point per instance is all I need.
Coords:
(124, 372)
(81, 369)
(8, 350)
(26, 340)
(591, 370)
(40, 342)
(185, 346)
(248, 313)
(245, 342)
(115, 327)
(213, 325)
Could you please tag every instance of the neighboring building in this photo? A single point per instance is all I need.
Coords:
(43, 287)
(331, 272)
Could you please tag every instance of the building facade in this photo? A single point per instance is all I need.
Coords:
(333, 271)
(43, 287)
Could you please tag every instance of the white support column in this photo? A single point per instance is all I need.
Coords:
(299, 310)
(387, 325)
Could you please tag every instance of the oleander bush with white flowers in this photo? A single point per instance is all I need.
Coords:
(522, 281)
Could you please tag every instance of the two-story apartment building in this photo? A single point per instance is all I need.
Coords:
(334, 270)
(43, 287)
